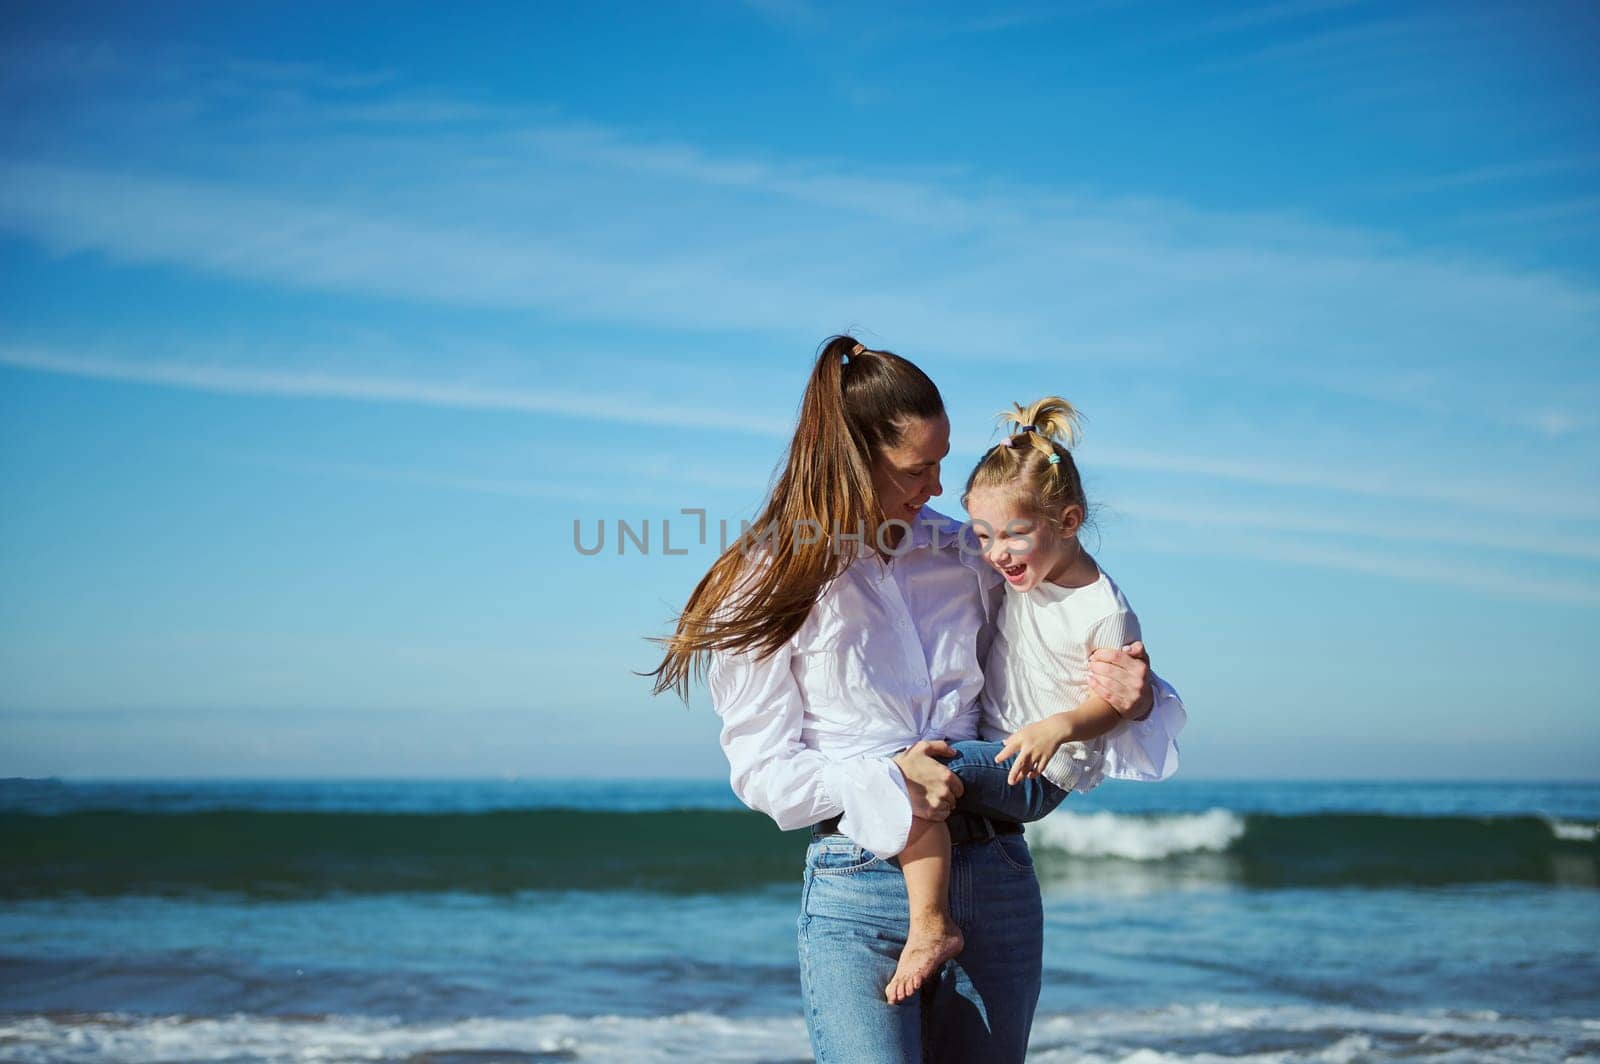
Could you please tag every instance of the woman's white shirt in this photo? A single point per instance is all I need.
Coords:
(888, 656)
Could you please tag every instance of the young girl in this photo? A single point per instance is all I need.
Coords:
(1027, 505)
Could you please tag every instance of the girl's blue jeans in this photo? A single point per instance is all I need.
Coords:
(853, 922)
(987, 792)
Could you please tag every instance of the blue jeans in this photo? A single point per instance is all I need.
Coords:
(853, 922)
(985, 788)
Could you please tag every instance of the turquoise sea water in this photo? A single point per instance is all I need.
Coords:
(535, 920)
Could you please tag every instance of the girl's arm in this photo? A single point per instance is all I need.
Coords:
(1141, 718)
(1037, 743)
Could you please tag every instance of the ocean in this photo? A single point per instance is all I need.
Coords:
(477, 921)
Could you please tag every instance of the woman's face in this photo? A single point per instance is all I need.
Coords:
(906, 476)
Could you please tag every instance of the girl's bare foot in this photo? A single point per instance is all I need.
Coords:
(928, 946)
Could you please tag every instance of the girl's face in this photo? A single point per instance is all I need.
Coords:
(1026, 549)
(906, 476)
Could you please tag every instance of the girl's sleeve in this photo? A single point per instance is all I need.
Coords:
(774, 772)
(1145, 749)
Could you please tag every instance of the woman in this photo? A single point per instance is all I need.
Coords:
(843, 638)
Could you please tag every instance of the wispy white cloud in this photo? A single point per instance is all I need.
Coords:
(1252, 18)
(1555, 423)
(1464, 575)
(995, 19)
(629, 493)
(1232, 295)
(964, 265)
(212, 228)
(887, 26)
(1580, 212)
(666, 485)
(1434, 391)
(222, 229)
(417, 110)
(957, 262)
(673, 481)
(798, 14)
(653, 486)
(1384, 483)
(1400, 59)
(825, 184)
(337, 385)
(1500, 173)
(1390, 527)
(1345, 46)
(316, 384)
(298, 75)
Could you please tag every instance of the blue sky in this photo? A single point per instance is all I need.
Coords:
(320, 327)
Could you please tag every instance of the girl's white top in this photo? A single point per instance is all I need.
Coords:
(1038, 665)
(888, 656)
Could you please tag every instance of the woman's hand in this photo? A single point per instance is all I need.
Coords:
(1122, 677)
(932, 787)
(1034, 746)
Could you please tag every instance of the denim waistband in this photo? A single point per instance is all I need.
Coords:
(964, 827)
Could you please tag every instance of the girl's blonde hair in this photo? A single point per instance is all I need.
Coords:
(857, 404)
(1034, 462)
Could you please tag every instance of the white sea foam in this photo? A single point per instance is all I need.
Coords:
(350, 1039)
(1214, 1033)
(1570, 832)
(1206, 1033)
(1137, 838)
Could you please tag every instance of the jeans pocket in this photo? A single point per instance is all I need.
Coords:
(839, 858)
(1013, 849)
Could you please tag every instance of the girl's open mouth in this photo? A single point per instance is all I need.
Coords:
(1014, 572)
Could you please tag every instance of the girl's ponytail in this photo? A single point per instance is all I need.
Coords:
(1035, 459)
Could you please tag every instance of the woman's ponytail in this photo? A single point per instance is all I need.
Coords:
(857, 403)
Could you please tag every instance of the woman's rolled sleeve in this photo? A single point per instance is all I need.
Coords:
(1147, 749)
(877, 807)
(774, 772)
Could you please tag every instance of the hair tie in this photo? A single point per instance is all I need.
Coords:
(1027, 428)
(1055, 459)
(856, 350)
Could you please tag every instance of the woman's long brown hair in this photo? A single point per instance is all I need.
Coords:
(856, 404)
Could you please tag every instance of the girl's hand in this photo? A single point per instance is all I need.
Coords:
(932, 787)
(1033, 746)
(1122, 677)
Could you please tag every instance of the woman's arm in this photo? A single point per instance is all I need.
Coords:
(774, 772)
(1148, 749)
(1121, 675)
(933, 789)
